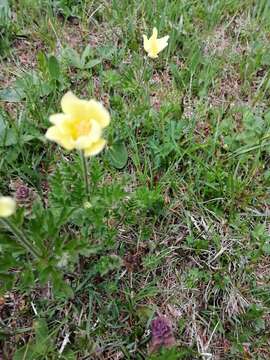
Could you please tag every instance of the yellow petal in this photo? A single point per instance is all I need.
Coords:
(154, 35)
(85, 110)
(162, 43)
(146, 43)
(75, 107)
(85, 141)
(99, 113)
(153, 51)
(58, 118)
(54, 133)
(153, 45)
(95, 148)
(7, 206)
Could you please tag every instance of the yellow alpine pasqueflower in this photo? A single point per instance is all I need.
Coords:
(80, 125)
(153, 45)
(7, 206)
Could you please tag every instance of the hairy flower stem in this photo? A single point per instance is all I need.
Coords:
(21, 238)
(85, 175)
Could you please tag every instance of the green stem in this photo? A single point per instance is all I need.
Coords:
(85, 175)
(21, 238)
(143, 72)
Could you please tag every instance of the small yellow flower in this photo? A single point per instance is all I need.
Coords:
(7, 206)
(80, 125)
(153, 45)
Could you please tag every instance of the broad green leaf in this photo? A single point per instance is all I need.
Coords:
(8, 137)
(27, 138)
(118, 155)
(25, 352)
(42, 60)
(11, 94)
(92, 63)
(73, 58)
(54, 68)
(86, 54)
(4, 9)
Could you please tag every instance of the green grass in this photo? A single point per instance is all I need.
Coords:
(181, 228)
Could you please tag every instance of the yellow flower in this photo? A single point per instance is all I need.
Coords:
(80, 125)
(153, 45)
(7, 206)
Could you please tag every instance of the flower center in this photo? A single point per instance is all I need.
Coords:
(82, 128)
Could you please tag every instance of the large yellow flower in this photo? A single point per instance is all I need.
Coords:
(153, 45)
(7, 206)
(80, 125)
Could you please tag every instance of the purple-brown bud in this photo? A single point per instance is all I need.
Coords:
(162, 334)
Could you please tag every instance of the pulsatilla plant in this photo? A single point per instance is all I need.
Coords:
(43, 235)
(77, 217)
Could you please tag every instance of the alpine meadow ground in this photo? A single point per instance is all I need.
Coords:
(157, 244)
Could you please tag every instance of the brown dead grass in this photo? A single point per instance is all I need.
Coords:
(163, 84)
(26, 50)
